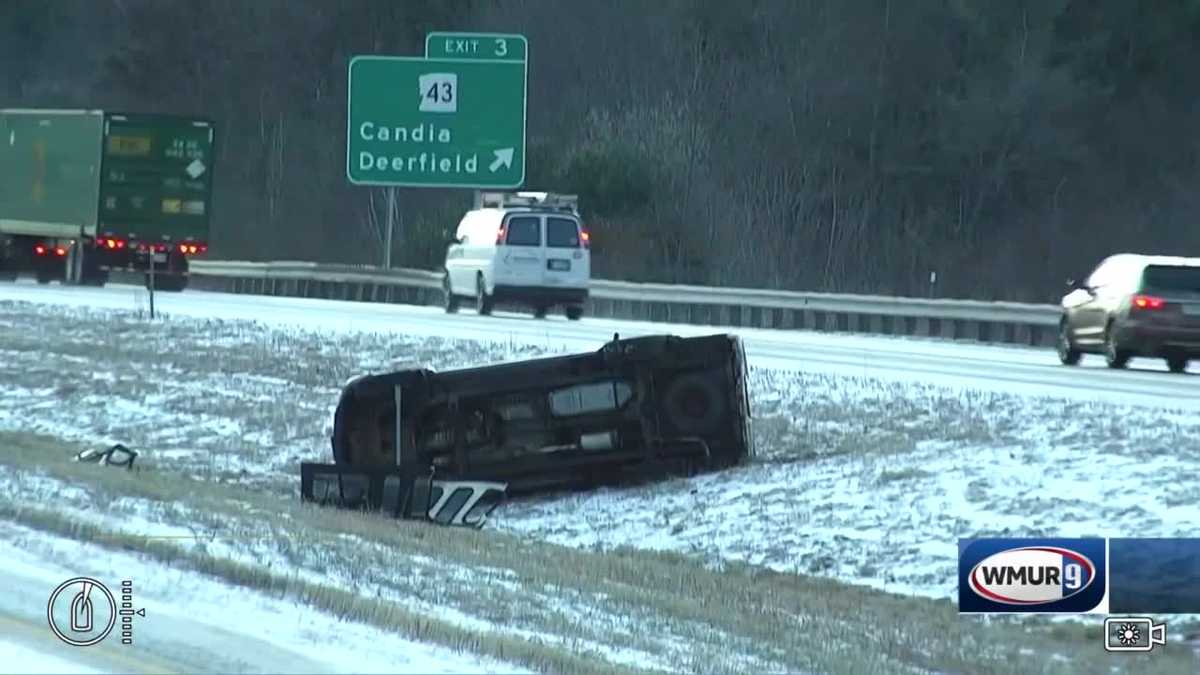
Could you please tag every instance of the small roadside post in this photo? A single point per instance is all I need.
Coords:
(151, 284)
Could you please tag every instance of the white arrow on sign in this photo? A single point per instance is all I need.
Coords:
(504, 157)
(195, 169)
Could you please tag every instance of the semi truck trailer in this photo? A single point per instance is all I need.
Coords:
(85, 192)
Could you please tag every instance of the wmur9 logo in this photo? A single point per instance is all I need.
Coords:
(1032, 575)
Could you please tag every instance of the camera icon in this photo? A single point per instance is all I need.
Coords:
(1133, 634)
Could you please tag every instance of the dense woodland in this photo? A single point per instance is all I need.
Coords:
(833, 145)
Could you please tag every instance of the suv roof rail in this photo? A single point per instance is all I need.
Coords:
(537, 200)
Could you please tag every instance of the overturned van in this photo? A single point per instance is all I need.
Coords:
(451, 444)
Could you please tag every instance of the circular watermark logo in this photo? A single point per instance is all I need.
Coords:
(81, 611)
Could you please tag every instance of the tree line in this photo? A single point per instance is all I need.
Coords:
(830, 145)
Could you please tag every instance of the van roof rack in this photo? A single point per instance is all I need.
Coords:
(534, 200)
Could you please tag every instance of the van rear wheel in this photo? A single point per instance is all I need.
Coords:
(483, 301)
(449, 300)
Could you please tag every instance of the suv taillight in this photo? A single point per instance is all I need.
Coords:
(1147, 302)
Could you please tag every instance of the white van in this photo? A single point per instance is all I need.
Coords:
(526, 247)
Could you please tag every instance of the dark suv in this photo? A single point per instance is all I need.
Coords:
(1134, 305)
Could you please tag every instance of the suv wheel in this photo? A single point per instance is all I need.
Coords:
(574, 313)
(1177, 364)
(1067, 353)
(449, 300)
(1114, 356)
(483, 301)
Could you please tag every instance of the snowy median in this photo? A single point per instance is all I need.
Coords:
(858, 479)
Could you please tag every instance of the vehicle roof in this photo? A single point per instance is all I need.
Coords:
(526, 209)
(1141, 259)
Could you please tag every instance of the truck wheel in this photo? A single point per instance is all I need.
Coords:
(95, 277)
(694, 404)
(483, 301)
(574, 313)
(168, 283)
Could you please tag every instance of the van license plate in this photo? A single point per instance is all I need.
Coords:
(558, 264)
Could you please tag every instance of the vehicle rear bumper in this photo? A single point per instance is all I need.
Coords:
(548, 295)
(1153, 340)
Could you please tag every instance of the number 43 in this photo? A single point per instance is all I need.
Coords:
(442, 94)
(439, 92)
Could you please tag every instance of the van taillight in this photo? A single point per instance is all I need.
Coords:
(585, 238)
(1147, 302)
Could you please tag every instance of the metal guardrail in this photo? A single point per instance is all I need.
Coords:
(704, 305)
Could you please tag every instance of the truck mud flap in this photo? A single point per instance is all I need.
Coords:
(464, 503)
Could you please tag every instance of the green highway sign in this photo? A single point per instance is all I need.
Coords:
(489, 46)
(437, 122)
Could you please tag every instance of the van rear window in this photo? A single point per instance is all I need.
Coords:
(1171, 278)
(562, 233)
(524, 231)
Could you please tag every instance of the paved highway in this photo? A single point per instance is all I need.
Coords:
(1003, 368)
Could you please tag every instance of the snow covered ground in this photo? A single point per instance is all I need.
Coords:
(192, 623)
(862, 478)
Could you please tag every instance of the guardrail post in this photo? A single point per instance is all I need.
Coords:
(722, 315)
(948, 329)
(922, 327)
(852, 322)
(831, 322)
(1023, 334)
(970, 330)
(809, 319)
(787, 318)
(875, 323)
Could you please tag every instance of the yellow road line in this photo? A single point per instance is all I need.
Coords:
(107, 656)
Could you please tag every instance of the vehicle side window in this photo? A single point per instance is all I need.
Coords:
(524, 231)
(562, 233)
